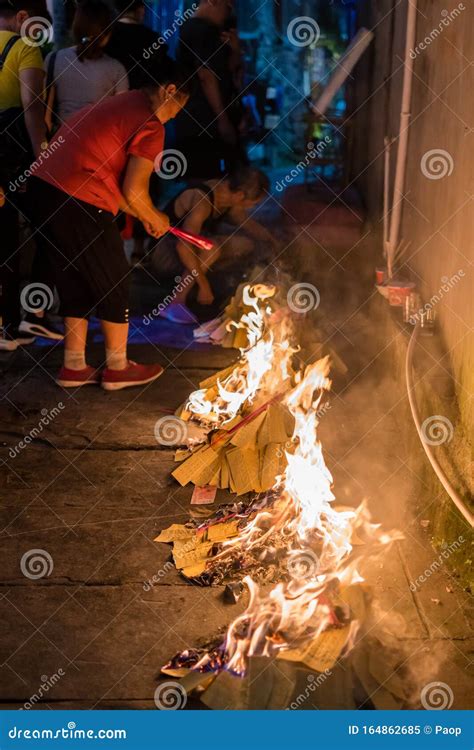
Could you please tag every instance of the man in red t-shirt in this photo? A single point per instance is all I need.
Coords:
(100, 162)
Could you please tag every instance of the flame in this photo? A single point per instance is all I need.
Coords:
(319, 553)
(267, 353)
(254, 320)
(242, 385)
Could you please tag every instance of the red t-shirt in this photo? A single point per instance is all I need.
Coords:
(91, 151)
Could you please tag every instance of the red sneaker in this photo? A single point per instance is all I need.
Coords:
(133, 374)
(74, 378)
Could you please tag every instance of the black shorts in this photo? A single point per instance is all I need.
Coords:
(85, 251)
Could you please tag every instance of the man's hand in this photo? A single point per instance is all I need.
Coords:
(231, 38)
(205, 295)
(158, 226)
(2, 198)
(226, 130)
(136, 200)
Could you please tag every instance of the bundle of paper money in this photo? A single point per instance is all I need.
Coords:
(245, 455)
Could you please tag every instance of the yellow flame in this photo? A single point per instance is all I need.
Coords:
(296, 611)
(258, 361)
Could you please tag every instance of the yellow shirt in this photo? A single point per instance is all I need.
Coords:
(21, 57)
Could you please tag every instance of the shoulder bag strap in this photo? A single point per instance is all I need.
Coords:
(3, 56)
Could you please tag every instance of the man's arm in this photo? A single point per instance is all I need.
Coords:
(136, 196)
(231, 37)
(31, 92)
(253, 228)
(210, 87)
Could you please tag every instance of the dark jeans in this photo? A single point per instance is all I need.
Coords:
(11, 254)
(10, 265)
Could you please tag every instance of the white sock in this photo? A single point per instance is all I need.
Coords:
(74, 360)
(116, 360)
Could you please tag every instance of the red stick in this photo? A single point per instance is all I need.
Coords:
(194, 239)
(249, 418)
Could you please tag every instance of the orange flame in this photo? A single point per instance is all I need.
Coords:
(319, 551)
(263, 356)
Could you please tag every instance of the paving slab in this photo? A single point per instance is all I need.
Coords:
(97, 518)
(446, 610)
(106, 485)
(393, 609)
(110, 641)
(35, 408)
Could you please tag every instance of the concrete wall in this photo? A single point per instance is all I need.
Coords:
(438, 217)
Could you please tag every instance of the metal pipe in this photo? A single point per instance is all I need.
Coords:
(457, 500)
(402, 151)
(342, 70)
(386, 195)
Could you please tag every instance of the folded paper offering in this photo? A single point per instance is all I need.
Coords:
(192, 547)
(247, 458)
(321, 653)
(203, 495)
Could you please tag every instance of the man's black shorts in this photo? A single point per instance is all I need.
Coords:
(85, 251)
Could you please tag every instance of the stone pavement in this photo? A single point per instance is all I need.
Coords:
(94, 488)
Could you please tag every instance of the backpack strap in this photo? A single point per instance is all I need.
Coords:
(3, 56)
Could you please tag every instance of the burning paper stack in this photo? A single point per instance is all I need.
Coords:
(245, 456)
(313, 612)
(242, 408)
(193, 546)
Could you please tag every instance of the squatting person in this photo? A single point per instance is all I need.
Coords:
(210, 208)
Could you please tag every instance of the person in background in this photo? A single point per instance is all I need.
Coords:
(22, 139)
(77, 195)
(133, 43)
(83, 74)
(203, 208)
(207, 131)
